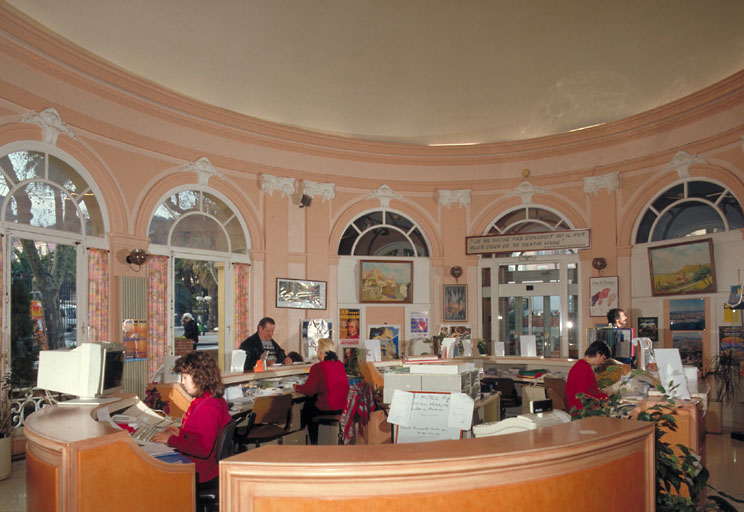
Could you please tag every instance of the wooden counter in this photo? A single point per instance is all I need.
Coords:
(588, 465)
(74, 463)
(230, 378)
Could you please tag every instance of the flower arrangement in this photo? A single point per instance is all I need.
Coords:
(154, 401)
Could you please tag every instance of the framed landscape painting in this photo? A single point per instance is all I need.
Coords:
(386, 281)
(686, 267)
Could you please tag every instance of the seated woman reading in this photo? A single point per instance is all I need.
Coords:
(581, 377)
(328, 384)
(206, 416)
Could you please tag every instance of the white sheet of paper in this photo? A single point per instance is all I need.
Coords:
(374, 353)
(499, 348)
(528, 345)
(467, 348)
(448, 348)
(400, 408)
(237, 360)
(671, 370)
(460, 411)
(233, 392)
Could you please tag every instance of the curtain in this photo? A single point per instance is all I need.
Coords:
(242, 303)
(98, 295)
(157, 312)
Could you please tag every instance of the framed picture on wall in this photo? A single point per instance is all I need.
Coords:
(686, 267)
(386, 281)
(300, 294)
(455, 302)
(648, 327)
(602, 295)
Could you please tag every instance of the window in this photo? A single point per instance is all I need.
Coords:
(690, 208)
(383, 233)
(529, 219)
(203, 235)
(49, 209)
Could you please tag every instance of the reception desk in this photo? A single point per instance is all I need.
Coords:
(588, 465)
(75, 463)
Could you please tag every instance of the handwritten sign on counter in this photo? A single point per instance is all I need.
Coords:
(425, 416)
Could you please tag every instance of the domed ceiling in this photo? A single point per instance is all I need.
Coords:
(415, 71)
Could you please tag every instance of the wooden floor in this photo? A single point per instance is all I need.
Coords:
(725, 463)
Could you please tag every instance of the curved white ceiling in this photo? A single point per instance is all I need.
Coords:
(415, 71)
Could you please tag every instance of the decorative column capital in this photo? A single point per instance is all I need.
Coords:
(325, 190)
(51, 125)
(593, 184)
(271, 183)
(447, 197)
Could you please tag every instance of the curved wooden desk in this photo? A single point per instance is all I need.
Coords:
(588, 465)
(74, 463)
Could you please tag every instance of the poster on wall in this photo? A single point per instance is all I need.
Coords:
(602, 295)
(348, 325)
(687, 314)
(420, 323)
(690, 345)
(135, 338)
(648, 327)
(732, 338)
(389, 337)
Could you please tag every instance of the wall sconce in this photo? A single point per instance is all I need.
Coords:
(305, 200)
(456, 272)
(599, 264)
(137, 257)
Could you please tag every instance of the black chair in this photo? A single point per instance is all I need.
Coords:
(509, 396)
(269, 421)
(331, 420)
(208, 498)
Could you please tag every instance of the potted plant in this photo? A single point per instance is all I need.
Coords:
(6, 428)
(725, 369)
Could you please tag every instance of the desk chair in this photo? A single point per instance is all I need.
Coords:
(509, 396)
(331, 420)
(269, 421)
(208, 499)
(555, 390)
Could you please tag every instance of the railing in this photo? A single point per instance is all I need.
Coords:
(27, 401)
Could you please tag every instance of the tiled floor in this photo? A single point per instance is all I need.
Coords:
(725, 464)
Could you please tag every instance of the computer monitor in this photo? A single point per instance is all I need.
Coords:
(619, 340)
(92, 371)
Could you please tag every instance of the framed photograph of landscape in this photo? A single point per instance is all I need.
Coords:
(300, 294)
(455, 302)
(386, 281)
(686, 267)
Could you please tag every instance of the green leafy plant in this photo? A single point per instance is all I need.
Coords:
(725, 368)
(154, 401)
(672, 471)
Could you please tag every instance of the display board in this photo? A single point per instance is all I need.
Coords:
(428, 416)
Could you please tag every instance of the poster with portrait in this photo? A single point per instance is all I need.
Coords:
(135, 338)
(602, 295)
(690, 346)
(389, 337)
(348, 325)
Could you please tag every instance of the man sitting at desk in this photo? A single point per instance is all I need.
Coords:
(262, 341)
(205, 418)
(581, 377)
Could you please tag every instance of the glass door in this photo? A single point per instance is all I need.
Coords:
(537, 315)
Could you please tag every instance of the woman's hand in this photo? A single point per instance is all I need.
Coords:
(160, 437)
(171, 430)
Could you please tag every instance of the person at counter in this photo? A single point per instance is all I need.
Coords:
(328, 384)
(262, 341)
(190, 329)
(617, 318)
(581, 377)
(205, 418)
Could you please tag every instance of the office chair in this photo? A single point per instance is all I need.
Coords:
(208, 499)
(269, 421)
(509, 396)
(555, 390)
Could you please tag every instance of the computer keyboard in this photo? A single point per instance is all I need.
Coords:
(143, 434)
